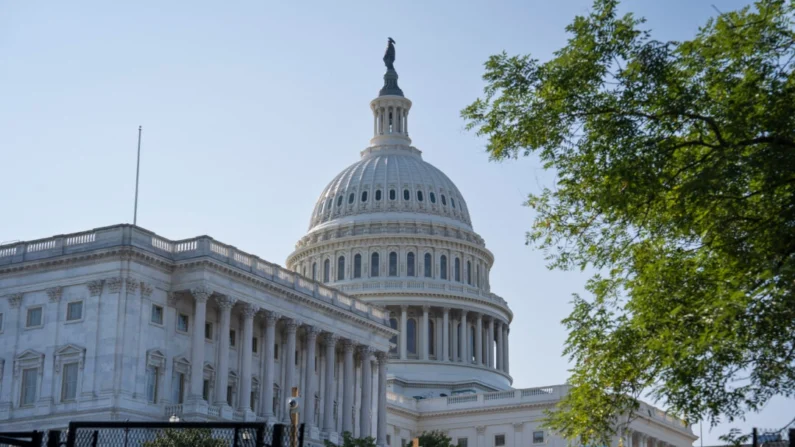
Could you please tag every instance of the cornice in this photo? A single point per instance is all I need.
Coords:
(420, 295)
(87, 258)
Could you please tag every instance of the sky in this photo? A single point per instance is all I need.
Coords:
(250, 107)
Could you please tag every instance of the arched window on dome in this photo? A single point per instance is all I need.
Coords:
(339, 201)
(394, 340)
(326, 270)
(328, 204)
(443, 267)
(410, 264)
(374, 265)
(411, 336)
(477, 275)
(406, 194)
(420, 198)
(431, 338)
(428, 265)
(393, 264)
(469, 273)
(314, 271)
(432, 197)
(357, 266)
(452, 201)
(457, 270)
(444, 200)
(377, 195)
(364, 196)
(351, 196)
(471, 352)
(392, 194)
(341, 268)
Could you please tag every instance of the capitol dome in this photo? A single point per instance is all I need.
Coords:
(395, 231)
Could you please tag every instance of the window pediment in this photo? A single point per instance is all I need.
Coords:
(69, 353)
(28, 359)
(209, 372)
(155, 358)
(182, 366)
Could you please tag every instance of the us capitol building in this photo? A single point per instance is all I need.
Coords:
(383, 318)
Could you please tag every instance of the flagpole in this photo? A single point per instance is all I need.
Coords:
(137, 171)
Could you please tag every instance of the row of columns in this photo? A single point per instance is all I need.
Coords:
(639, 439)
(225, 303)
(485, 328)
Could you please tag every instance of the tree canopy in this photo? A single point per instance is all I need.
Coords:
(675, 166)
(195, 437)
(435, 438)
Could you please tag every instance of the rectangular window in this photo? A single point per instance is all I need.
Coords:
(182, 323)
(276, 351)
(180, 388)
(538, 437)
(229, 395)
(34, 317)
(462, 442)
(69, 382)
(29, 378)
(157, 314)
(232, 337)
(206, 390)
(388, 439)
(151, 384)
(208, 330)
(74, 311)
(254, 345)
(1, 322)
(499, 440)
(296, 357)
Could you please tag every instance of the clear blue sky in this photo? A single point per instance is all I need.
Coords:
(249, 108)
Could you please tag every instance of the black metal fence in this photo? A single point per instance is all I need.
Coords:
(160, 434)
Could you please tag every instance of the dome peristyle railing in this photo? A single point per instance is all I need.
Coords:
(419, 285)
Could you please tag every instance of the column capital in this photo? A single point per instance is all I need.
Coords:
(95, 287)
(225, 302)
(365, 350)
(481, 429)
(291, 325)
(518, 426)
(249, 310)
(201, 293)
(330, 339)
(14, 300)
(312, 332)
(479, 317)
(382, 357)
(171, 299)
(348, 345)
(271, 317)
(404, 308)
(426, 308)
(55, 294)
(446, 309)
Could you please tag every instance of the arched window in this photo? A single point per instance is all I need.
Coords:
(469, 273)
(428, 265)
(411, 336)
(276, 398)
(351, 196)
(314, 271)
(419, 196)
(443, 267)
(477, 275)
(357, 266)
(341, 268)
(444, 200)
(326, 270)
(406, 194)
(393, 264)
(328, 204)
(364, 196)
(394, 325)
(377, 195)
(433, 197)
(471, 358)
(410, 264)
(431, 337)
(392, 194)
(457, 270)
(374, 265)
(339, 201)
(452, 202)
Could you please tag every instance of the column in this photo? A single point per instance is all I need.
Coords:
(505, 358)
(367, 387)
(454, 330)
(225, 304)
(347, 390)
(500, 351)
(490, 342)
(403, 320)
(424, 339)
(269, 342)
(200, 296)
(330, 341)
(445, 334)
(479, 339)
(244, 401)
(380, 439)
(309, 376)
(291, 326)
(466, 356)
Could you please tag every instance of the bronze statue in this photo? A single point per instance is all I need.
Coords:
(389, 56)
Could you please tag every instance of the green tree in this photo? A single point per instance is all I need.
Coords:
(435, 439)
(349, 441)
(199, 437)
(675, 166)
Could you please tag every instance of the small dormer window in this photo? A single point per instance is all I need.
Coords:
(406, 194)
(339, 201)
(419, 196)
(444, 200)
(351, 196)
(364, 196)
(329, 202)
(377, 195)
(392, 194)
(452, 202)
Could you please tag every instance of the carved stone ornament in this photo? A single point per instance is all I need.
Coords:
(481, 429)
(330, 339)
(518, 426)
(201, 293)
(95, 287)
(348, 345)
(291, 325)
(132, 286)
(271, 317)
(14, 300)
(55, 294)
(225, 302)
(68, 354)
(114, 284)
(312, 332)
(249, 310)
(146, 289)
(382, 357)
(172, 299)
